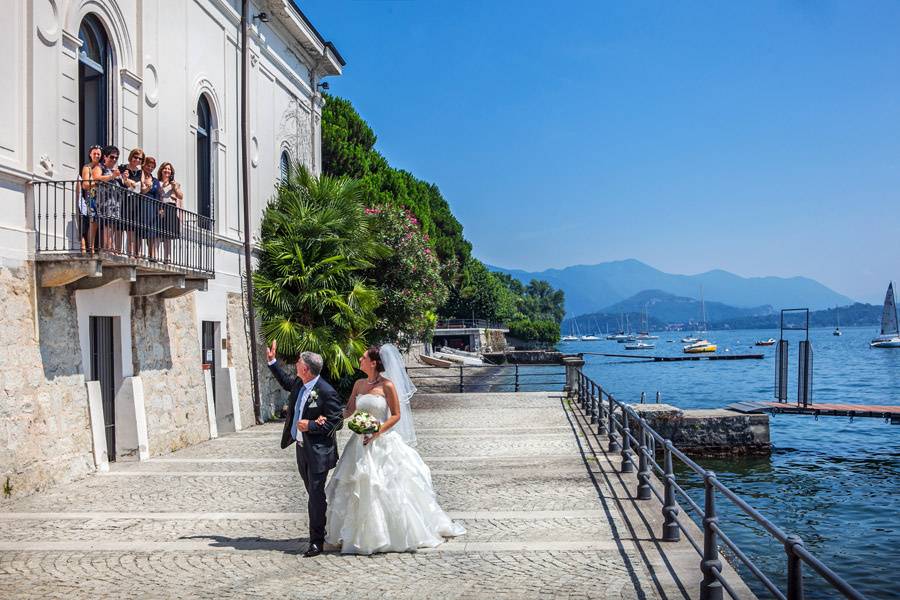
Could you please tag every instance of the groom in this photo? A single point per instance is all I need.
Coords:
(310, 397)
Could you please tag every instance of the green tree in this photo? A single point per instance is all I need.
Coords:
(316, 242)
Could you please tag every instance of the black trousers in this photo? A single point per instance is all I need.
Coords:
(315, 489)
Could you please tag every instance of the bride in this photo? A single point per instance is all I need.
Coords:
(380, 495)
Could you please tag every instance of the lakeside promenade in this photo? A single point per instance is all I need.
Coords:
(546, 513)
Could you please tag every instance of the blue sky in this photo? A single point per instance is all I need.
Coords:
(758, 137)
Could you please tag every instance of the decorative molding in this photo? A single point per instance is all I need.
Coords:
(48, 32)
(151, 89)
(254, 151)
(131, 78)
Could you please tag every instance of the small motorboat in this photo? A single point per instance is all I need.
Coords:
(435, 362)
(644, 335)
(690, 340)
(837, 331)
(768, 342)
(569, 338)
(639, 346)
(890, 334)
(700, 347)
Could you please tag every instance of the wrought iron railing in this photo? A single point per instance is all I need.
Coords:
(625, 430)
(116, 222)
(488, 378)
(468, 324)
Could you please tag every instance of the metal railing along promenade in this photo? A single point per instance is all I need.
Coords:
(122, 223)
(468, 324)
(628, 433)
(488, 378)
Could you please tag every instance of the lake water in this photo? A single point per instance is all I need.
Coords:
(834, 482)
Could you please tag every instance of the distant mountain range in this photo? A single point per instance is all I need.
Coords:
(665, 310)
(591, 288)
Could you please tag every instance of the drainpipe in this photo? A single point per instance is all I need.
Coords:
(245, 185)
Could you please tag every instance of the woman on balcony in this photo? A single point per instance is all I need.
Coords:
(87, 205)
(171, 196)
(132, 203)
(109, 205)
(149, 225)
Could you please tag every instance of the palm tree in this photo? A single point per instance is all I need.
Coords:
(316, 240)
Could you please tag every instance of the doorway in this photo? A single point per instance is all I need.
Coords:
(209, 351)
(103, 370)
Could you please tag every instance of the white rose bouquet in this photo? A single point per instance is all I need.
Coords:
(363, 423)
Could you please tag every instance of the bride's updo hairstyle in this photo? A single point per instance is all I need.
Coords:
(375, 356)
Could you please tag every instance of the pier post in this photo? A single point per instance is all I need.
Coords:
(573, 366)
(643, 394)
(462, 387)
(627, 464)
(671, 532)
(517, 377)
(613, 442)
(658, 397)
(794, 568)
(710, 588)
(644, 492)
(601, 419)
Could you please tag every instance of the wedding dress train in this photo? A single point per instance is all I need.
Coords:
(380, 495)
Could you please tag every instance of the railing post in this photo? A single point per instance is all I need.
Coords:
(613, 442)
(517, 377)
(627, 464)
(794, 568)
(643, 488)
(581, 391)
(573, 366)
(601, 427)
(461, 386)
(643, 394)
(671, 532)
(658, 397)
(593, 402)
(710, 587)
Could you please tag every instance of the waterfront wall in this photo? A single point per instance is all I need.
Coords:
(710, 432)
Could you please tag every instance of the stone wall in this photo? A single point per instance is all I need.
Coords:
(709, 432)
(271, 394)
(45, 433)
(166, 355)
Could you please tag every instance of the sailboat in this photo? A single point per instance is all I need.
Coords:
(698, 345)
(569, 337)
(890, 335)
(644, 334)
(837, 328)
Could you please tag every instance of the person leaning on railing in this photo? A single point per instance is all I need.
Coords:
(87, 203)
(109, 208)
(131, 203)
(148, 217)
(171, 196)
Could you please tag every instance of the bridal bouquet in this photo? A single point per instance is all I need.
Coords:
(363, 423)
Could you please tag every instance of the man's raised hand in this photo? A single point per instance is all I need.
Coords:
(270, 351)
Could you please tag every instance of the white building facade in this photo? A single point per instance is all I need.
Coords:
(120, 354)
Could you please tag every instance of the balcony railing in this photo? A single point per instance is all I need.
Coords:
(468, 324)
(115, 222)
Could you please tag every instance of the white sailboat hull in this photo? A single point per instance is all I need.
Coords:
(886, 342)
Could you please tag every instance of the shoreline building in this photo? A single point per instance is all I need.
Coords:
(139, 348)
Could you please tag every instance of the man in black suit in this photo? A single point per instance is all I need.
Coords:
(310, 397)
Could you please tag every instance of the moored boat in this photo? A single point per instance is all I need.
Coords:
(639, 346)
(768, 342)
(700, 347)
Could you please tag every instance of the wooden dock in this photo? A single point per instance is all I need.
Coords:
(824, 409)
(681, 358)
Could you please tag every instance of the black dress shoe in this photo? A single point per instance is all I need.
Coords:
(313, 550)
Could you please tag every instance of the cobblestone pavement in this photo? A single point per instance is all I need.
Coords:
(226, 518)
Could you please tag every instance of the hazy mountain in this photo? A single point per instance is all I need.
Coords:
(590, 288)
(669, 308)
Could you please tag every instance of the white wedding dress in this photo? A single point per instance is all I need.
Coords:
(380, 495)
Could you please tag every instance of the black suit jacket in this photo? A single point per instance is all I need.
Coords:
(319, 442)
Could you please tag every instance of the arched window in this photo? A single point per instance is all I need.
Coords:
(94, 67)
(285, 166)
(204, 163)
